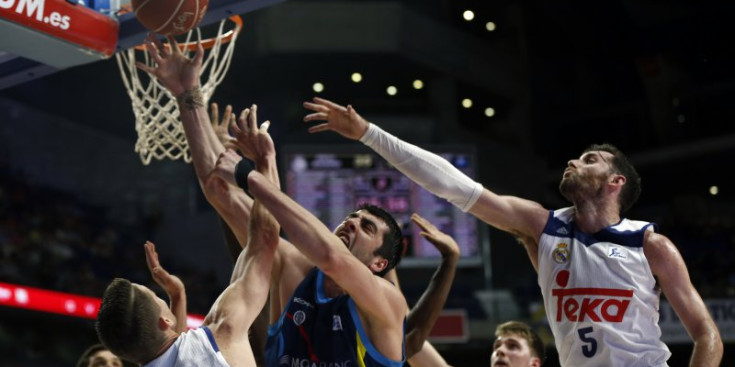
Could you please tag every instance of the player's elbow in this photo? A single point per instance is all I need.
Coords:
(265, 230)
(711, 341)
(414, 343)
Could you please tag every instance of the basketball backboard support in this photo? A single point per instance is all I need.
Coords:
(40, 37)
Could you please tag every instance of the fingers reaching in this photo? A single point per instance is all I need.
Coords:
(199, 56)
(239, 126)
(315, 107)
(421, 222)
(329, 104)
(214, 114)
(152, 50)
(319, 116)
(173, 45)
(231, 122)
(319, 128)
(144, 67)
(227, 116)
(160, 47)
(264, 127)
(442, 241)
(151, 256)
(253, 120)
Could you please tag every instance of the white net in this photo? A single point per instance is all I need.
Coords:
(160, 133)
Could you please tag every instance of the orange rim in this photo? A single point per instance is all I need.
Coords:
(208, 42)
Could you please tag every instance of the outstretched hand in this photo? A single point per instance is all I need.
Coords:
(442, 241)
(252, 141)
(222, 127)
(342, 120)
(171, 284)
(172, 68)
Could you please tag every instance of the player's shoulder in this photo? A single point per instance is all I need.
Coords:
(654, 239)
(389, 288)
(660, 250)
(392, 294)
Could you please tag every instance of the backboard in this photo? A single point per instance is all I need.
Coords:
(41, 37)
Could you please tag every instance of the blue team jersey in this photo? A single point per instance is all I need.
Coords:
(317, 331)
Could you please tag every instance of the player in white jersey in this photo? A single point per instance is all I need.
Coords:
(600, 295)
(603, 321)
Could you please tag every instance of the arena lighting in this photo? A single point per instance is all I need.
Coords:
(714, 190)
(468, 15)
(391, 90)
(490, 26)
(418, 84)
(466, 103)
(318, 87)
(36, 299)
(356, 77)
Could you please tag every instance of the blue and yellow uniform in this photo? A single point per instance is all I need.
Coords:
(317, 331)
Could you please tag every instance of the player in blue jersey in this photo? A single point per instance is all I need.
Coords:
(321, 323)
(600, 274)
(330, 304)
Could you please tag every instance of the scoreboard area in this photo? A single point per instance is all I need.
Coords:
(332, 181)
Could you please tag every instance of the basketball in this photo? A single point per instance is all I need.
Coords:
(169, 17)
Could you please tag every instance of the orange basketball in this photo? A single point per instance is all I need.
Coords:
(169, 17)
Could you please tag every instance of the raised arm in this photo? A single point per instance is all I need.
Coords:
(432, 172)
(671, 272)
(238, 306)
(423, 315)
(180, 75)
(171, 284)
(375, 296)
(428, 356)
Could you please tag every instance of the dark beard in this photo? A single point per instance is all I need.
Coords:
(583, 188)
(567, 187)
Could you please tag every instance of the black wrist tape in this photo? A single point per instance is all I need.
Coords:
(242, 169)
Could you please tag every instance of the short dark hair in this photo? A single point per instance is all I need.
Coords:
(127, 322)
(620, 163)
(392, 247)
(87, 355)
(524, 331)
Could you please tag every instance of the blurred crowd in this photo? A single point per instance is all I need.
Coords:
(54, 240)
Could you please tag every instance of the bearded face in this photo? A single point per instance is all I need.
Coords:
(585, 177)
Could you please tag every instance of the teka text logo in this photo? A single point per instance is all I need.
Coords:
(593, 304)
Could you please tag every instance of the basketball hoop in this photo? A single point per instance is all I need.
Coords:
(160, 133)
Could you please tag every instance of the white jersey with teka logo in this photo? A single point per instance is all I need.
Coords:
(600, 295)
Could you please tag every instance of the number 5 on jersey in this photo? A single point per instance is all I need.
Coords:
(590, 348)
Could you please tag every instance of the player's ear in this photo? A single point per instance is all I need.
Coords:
(165, 323)
(378, 265)
(617, 179)
(535, 362)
